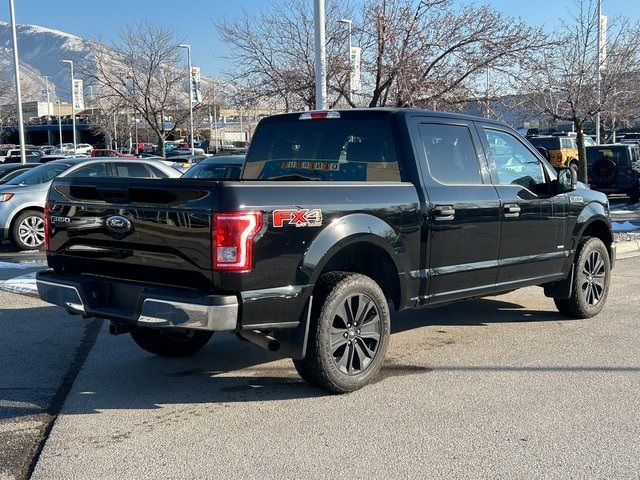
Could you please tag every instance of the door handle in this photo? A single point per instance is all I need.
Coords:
(444, 212)
(511, 210)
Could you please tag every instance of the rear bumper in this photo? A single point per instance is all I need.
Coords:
(131, 304)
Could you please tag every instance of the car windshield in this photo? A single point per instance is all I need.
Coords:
(40, 174)
(214, 171)
(550, 143)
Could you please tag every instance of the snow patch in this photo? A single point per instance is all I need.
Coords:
(53, 31)
(624, 227)
(25, 284)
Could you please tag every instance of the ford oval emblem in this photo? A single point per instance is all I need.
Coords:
(118, 224)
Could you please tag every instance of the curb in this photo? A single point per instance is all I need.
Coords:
(627, 249)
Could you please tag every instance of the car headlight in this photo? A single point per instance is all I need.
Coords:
(5, 197)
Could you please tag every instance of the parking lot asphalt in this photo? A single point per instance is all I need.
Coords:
(503, 387)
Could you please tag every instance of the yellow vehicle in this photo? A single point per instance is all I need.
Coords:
(560, 151)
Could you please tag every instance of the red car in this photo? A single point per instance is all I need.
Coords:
(107, 152)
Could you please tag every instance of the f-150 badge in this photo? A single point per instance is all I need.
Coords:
(299, 218)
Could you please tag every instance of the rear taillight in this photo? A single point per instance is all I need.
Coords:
(46, 227)
(232, 236)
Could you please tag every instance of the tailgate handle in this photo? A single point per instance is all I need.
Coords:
(444, 212)
(511, 210)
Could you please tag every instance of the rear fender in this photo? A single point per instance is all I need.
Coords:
(345, 231)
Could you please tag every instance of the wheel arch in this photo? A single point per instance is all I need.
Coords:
(17, 212)
(351, 244)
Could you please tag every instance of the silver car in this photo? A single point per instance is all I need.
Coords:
(22, 199)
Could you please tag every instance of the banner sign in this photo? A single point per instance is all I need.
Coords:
(356, 82)
(603, 40)
(194, 88)
(78, 95)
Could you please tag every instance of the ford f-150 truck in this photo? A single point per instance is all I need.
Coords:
(339, 216)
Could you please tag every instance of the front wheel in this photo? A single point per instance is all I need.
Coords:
(169, 343)
(27, 232)
(590, 281)
(348, 335)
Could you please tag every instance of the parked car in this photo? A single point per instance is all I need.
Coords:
(63, 148)
(11, 170)
(338, 214)
(226, 167)
(615, 168)
(84, 148)
(561, 151)
(22, 199)
(108, 152)
(52, 157)
(33, 155)
(181, 152)
(631, 137)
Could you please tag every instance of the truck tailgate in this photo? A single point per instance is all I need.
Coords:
(144, 230)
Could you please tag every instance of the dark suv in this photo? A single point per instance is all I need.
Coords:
(615, 169)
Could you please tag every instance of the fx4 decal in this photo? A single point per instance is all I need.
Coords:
(299, 218)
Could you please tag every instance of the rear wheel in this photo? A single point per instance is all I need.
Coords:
(590, 281)
(348, 335)
(27, 232)
(169, 343)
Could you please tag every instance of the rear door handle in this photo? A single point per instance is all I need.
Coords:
(444, 212)
(511, 210)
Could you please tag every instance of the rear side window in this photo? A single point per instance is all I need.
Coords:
(132, 170)
(550, 143)
(450, 154)
(332, 149)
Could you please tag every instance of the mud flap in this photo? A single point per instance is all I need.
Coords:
(293, 341)
(561, 289)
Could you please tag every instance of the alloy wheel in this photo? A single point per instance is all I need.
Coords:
(355, 334)
(31, 231)
(593, 281)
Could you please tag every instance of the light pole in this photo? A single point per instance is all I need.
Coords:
(60, 125)
(135, 116)
(320, 54)
(599, 67)
(46, 80)
(349, 22)
(188, 47)
(16, 66)
(73, 107)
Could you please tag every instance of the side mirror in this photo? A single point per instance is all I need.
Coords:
(567, 179)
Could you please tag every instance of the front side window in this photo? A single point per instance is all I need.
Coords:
(450, 153)
(515, 163)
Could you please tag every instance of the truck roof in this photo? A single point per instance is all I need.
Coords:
(380, 112)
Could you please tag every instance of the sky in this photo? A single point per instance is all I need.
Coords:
(196, 21)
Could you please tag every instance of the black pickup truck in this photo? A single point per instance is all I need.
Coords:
(339, 216)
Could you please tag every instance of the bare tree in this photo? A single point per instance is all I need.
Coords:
(563, 86)
(142, 70)
(414, 53)
(272, 51)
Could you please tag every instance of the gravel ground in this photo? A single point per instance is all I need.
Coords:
(626, 236)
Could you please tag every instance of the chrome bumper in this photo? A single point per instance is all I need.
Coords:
(212, 312)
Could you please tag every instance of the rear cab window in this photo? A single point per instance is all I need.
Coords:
(334, 149)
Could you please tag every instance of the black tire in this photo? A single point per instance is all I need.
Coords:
(590, 281)
(27, 230)
(351, 312)
(634, 195)
(169, 343)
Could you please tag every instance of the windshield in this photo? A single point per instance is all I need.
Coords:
(337, 150)
(214, 171)
(40, 174)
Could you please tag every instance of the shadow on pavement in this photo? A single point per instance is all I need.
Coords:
(119, 375)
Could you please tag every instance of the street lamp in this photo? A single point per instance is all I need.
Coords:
(73, 107)
(320, 54)
(190, 86)
(16, 66)
(348, 22)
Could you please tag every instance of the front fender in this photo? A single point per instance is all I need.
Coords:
(592, 212)
(345, 231)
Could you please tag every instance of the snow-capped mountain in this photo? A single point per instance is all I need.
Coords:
(41, 50)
